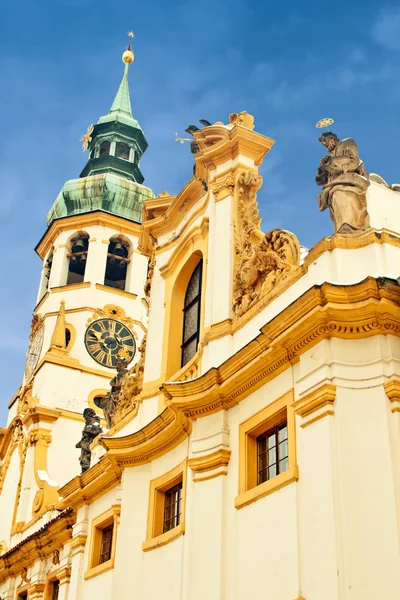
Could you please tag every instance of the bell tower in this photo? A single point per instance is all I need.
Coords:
(91, 308)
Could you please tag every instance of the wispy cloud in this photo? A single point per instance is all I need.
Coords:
(386, 26)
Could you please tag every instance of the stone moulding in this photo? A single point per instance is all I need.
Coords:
(358, 311)
(45, 541)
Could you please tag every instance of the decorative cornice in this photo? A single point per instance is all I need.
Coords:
(112, 290)
(358, 311)
(320, 401)
(176, 211)
(392, 390)
(350, 312)
(201, 231)
(205, 467)
(52, 536)
(81, 221)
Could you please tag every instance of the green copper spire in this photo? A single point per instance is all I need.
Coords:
(122, 101)
(111, 180)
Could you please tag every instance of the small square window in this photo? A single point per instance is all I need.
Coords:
(267, 451)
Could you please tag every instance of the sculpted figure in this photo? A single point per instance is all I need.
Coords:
(110, 400)
(345, 182)
(90, 431)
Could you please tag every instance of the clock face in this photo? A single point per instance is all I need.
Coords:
(105, 339)
(33, 354)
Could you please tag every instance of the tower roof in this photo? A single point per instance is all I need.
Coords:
(111, 179)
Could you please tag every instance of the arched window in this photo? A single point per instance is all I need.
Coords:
(77, 259)
(122, 150)
(105, 148)
(191, 316)
(44, 284)
(117, 264)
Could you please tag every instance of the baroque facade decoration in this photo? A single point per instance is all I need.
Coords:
(236, 396)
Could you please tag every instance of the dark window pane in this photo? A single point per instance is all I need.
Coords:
(189, 351)
(105, 148)
(106, 544)
(77, 260)
(122, 150)
(191, 316)
(55, 589)
(172, 507)
(193, 287)
(272, 453)
(191, 321)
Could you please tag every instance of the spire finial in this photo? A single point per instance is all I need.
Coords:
(128, 57)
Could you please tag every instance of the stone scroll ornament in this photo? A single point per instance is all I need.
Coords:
(344, 184)
(125, 389)
(91, 430)
(262, 261)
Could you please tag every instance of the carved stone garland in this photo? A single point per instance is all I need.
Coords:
(262, 261)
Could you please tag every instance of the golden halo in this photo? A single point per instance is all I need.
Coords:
(324, 123)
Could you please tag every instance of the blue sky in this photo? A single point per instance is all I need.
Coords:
(288, 63)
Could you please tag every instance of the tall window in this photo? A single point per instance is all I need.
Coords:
(106, 544)
(77, 259)
(172, 507)
(191, 316)
(55, 588)
(117, 264)
(272, 452)
(122, 150)
(105, 148)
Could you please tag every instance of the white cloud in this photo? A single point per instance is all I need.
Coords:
(386, 27)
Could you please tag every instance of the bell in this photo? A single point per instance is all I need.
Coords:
(119, 249)
(78, 246)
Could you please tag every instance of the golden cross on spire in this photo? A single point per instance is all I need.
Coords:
(131, 35)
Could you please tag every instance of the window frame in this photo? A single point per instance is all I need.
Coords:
(99, 524)
(249, 431)
(155, 535)
(187, 307)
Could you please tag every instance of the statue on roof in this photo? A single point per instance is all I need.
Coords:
(91, 430)
(345, 181)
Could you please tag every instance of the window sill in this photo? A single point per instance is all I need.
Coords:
(268, 487)
(164, 538)
(113, 290)
(94, 571)
(71, 286)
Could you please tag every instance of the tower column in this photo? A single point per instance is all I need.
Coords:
(96, 260)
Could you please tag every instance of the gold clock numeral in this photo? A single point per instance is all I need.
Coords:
(109, 360)
(126, 337)
(103, 328)
(118, 332)
(94, 346)
(100, 355)
(111, 327)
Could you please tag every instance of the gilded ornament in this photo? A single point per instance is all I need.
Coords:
(87, 138)
(262, 261)
(150, 272)
(223, 187)
(111, 311)
(243, 118)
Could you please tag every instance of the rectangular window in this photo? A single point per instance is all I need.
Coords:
(23, 596)
(103, 542)
(172, 507)
(267, 450)
(272, 452)
(106, 544)
(166, 516)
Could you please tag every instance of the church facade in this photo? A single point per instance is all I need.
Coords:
(207, 410)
